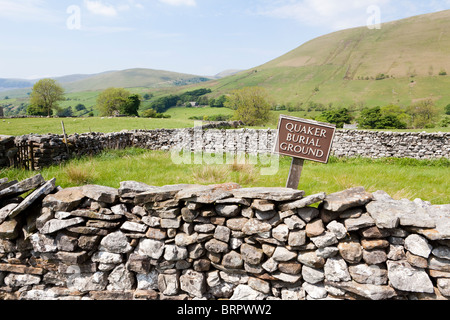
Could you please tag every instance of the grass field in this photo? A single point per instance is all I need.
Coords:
(180, 119)
(400, 178)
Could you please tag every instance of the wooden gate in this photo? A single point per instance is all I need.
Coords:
(24, 158)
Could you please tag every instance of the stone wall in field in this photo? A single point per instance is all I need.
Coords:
(218, 242)
(52, 149)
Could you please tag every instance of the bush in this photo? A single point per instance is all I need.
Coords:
(338, 117)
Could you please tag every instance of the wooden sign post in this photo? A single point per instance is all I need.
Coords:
(303, 140)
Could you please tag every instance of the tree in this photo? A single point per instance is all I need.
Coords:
(251, 105)
(46, 94)
(37, 110)
(80, 107)
(388, 117)
(111, 100)
(423, 113)
(338, 117)
(131, 105)
(447, 110)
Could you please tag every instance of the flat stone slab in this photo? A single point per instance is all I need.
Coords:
(161, 193)
(129, 189)
(369, 291)
(23, 186)
(346, 199)
(274, 194)
(101, 193)
(30, 199)
(64, 200)
(403, 276)
(207, 194)
(306, 201)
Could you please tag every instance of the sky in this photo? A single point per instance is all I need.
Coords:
(49, 38)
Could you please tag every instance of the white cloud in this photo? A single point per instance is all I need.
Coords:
(98, 7)
(190, 3)
(333, 14)
(26, 10)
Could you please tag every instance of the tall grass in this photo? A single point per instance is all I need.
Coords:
(400, 178)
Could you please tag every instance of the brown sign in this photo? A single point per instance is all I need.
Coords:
(304, 139)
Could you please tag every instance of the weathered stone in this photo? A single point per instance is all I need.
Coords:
(285, 277)
(216, 246)
(369, 291)
(227, 210)
(297, 238)
(236, 224)
(312, 275)
(4, 212)
(101, 193)
(282, 254)
(207, 194)
(294, 223)
(274, 194)
(116, 242)
(374, 244)
(281, 232)
(251, 254)
(308, 214)
(265, 215)
(418, 245)
(254, 226)
(139, 264)
(193, 283)
(86, 242)
(129, 189)
(147, 281)
(160, 193)
(338, 229)
(107, 257)
(311, 259)
(232, 260)
(120, 279)
(403, 276)
(54, 225)
(263, 205)
(85, 282)
(17, 268)
(435, 263)
(134, 227)
(327, 252)
(175, 253)
(306, 201)
(150, 248)
(95, 215)
(351, 251)
(64, 200)
(336, 270)
(315, 291)
(442, 252)
(396, 252)
(222, 233)
(171, 223)
(21, 280)
(315, 228)
(72, 258)
(365, 274)
(244, 292)
(363, 221)
(184, 240)
(444, 286)
(343, 200)
(325, 240)
(375, 256)
(168, 284)
(9, 229)
(22, 186)
(290, 267)
(416, 261)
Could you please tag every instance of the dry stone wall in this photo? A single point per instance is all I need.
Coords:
(218, 242)
(52, 149)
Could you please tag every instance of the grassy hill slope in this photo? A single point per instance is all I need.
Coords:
(406, 56)
(133, 78)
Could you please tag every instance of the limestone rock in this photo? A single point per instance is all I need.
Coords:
(101, 193)
(244, 292)
(64, 200)
(273, 194)
(116, 242)
(418, 245)
(193, 283)
(343, 200)
(336, 270)
(403, 276)
(56, 225)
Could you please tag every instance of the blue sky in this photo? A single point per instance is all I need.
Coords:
(41, 38)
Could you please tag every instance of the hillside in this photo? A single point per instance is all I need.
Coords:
(406, 56)
(131, 78)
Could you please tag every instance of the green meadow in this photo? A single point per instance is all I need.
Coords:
(400, 178)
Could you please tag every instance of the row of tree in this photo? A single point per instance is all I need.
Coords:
(251, 105)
